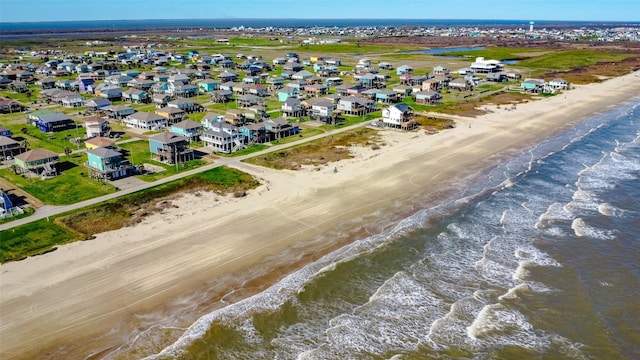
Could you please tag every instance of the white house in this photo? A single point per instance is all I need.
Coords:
(398, 116)
(146, 120)
(486, 66)
(557, 84)
(223, 137)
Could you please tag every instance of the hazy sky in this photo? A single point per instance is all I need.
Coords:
(64, 10)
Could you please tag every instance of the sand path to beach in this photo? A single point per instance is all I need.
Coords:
(74, 301)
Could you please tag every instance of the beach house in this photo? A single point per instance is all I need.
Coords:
(118, 111)
(106, 163)
(38, 162)
(428, 97)
(292, 107)
(146, 121)
(223, 137)
(8, 147)
(97, 142)
(96, 126)
(97, 104)
(399, 116)
(171, 148)
(533, 86)
(54, 122)
(187, 128)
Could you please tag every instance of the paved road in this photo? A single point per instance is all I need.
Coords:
(51, 210)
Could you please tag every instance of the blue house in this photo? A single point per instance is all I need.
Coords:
(5, 132)
(404, 69)
(54, 122)
(131, 72)
(187, 128)
(108, 164)
(84, 84)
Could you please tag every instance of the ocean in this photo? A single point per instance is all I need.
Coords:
(538, 259)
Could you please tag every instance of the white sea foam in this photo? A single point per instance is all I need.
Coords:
(582, 229)
(607, 209)
(555, 212)
(512, 293)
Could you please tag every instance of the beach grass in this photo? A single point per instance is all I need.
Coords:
(35, 238)
(43, 235)
(317, 153)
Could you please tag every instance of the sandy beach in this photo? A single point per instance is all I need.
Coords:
(88, 298)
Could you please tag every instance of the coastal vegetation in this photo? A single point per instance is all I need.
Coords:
(320, 152)
(43, 235)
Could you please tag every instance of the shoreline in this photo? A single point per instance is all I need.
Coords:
(87, 297)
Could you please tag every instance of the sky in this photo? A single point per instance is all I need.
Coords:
(68, 10)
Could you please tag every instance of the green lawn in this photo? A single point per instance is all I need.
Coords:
(36, 139)
(70, 186)
(139, 153)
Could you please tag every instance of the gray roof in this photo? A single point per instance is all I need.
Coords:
(5, 141)
(187, 124)
(145, 116)
(169, 138)
(55, 117)
(105, 153)
(98, 102)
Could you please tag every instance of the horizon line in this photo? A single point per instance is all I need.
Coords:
(310, 19)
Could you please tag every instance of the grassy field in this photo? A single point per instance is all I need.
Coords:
(499, 53)
(352, 48)
(70, 186)
(565, 60)
(42, 236)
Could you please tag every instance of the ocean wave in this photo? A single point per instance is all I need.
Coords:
(582, 229)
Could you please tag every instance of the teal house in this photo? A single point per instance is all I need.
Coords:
(287, 92)
(107, 164)
(208, 85)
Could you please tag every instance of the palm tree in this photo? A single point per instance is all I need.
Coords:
(25, 144)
